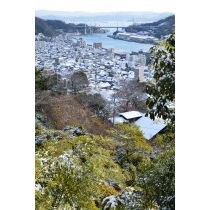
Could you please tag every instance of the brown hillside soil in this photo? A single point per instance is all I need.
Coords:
(63, 110)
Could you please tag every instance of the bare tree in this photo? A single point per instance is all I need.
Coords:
(131, 96)
(78, 81)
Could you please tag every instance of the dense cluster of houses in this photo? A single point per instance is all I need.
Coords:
(104, 67)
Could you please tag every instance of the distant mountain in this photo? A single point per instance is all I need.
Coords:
(159, 28)
(85, 17)
(54, 27)
(41, 26)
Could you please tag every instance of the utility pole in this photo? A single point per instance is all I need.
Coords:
(114, 111)
(85, 29)
(95, 78)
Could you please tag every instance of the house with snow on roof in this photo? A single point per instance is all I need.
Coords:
(148, 127)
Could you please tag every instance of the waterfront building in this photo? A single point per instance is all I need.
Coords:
(97, 45)
(81, 43)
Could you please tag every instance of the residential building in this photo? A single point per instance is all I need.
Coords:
(97, 45)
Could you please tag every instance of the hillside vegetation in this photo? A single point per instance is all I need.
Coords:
(65, 110)
(42, 27)
(54, 27)
(83, 162)
(87, 171)
(159, 28)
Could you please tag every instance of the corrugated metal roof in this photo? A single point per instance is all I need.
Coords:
(131, 114)
(149, 127)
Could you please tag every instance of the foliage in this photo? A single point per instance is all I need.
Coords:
(65, 110)
(158, 29)
(98, 158)
(54, 79)
(162, 91)
(132, 149)
(62, 182)
(129, 139)
(75, 173)
(130, 97)
(41, 99)
(42, 27)
(157, 177)
(78, 81)
(41, 82)
(93, 172)
(95, 103)
(157, 180)
(58, 24)
(57, 85)
(51, 27)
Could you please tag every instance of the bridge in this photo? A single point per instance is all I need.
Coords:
(90, 28)
(86, 26)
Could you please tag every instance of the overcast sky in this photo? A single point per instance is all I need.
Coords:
(106, 5)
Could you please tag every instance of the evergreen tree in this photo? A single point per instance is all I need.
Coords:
(162, 90)
(41, 82)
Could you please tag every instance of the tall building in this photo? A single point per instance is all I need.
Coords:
(110, 53)
(141, 74)
(40, 44)
(81, 43)
(142, 59)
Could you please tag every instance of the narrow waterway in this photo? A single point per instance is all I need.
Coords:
(114, 43)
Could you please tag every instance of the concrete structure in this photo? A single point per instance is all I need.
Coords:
(81, 43)
(141, 74)
(40, 44)
(142, 59)
(120, 53)
(97, 45)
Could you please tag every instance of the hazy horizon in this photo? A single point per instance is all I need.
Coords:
(100, 6)
(77, 11)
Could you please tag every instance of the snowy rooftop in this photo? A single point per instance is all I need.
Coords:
(131, 115)
(149, 127)
(103, 84)
(118, 120)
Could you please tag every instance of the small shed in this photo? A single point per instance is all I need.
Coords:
(104, 85)
(131, 115)
(149, 127)
(118, 119)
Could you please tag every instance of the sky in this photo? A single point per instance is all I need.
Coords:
(106, 5)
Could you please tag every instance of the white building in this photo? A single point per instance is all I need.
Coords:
(142, 59)
(141, 74)
(81, 43)
(40, 45)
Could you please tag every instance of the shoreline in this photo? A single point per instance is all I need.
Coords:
(131, 40)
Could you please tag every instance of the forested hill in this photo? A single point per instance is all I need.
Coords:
(159, 28)
(54, 27)
(41, 26)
